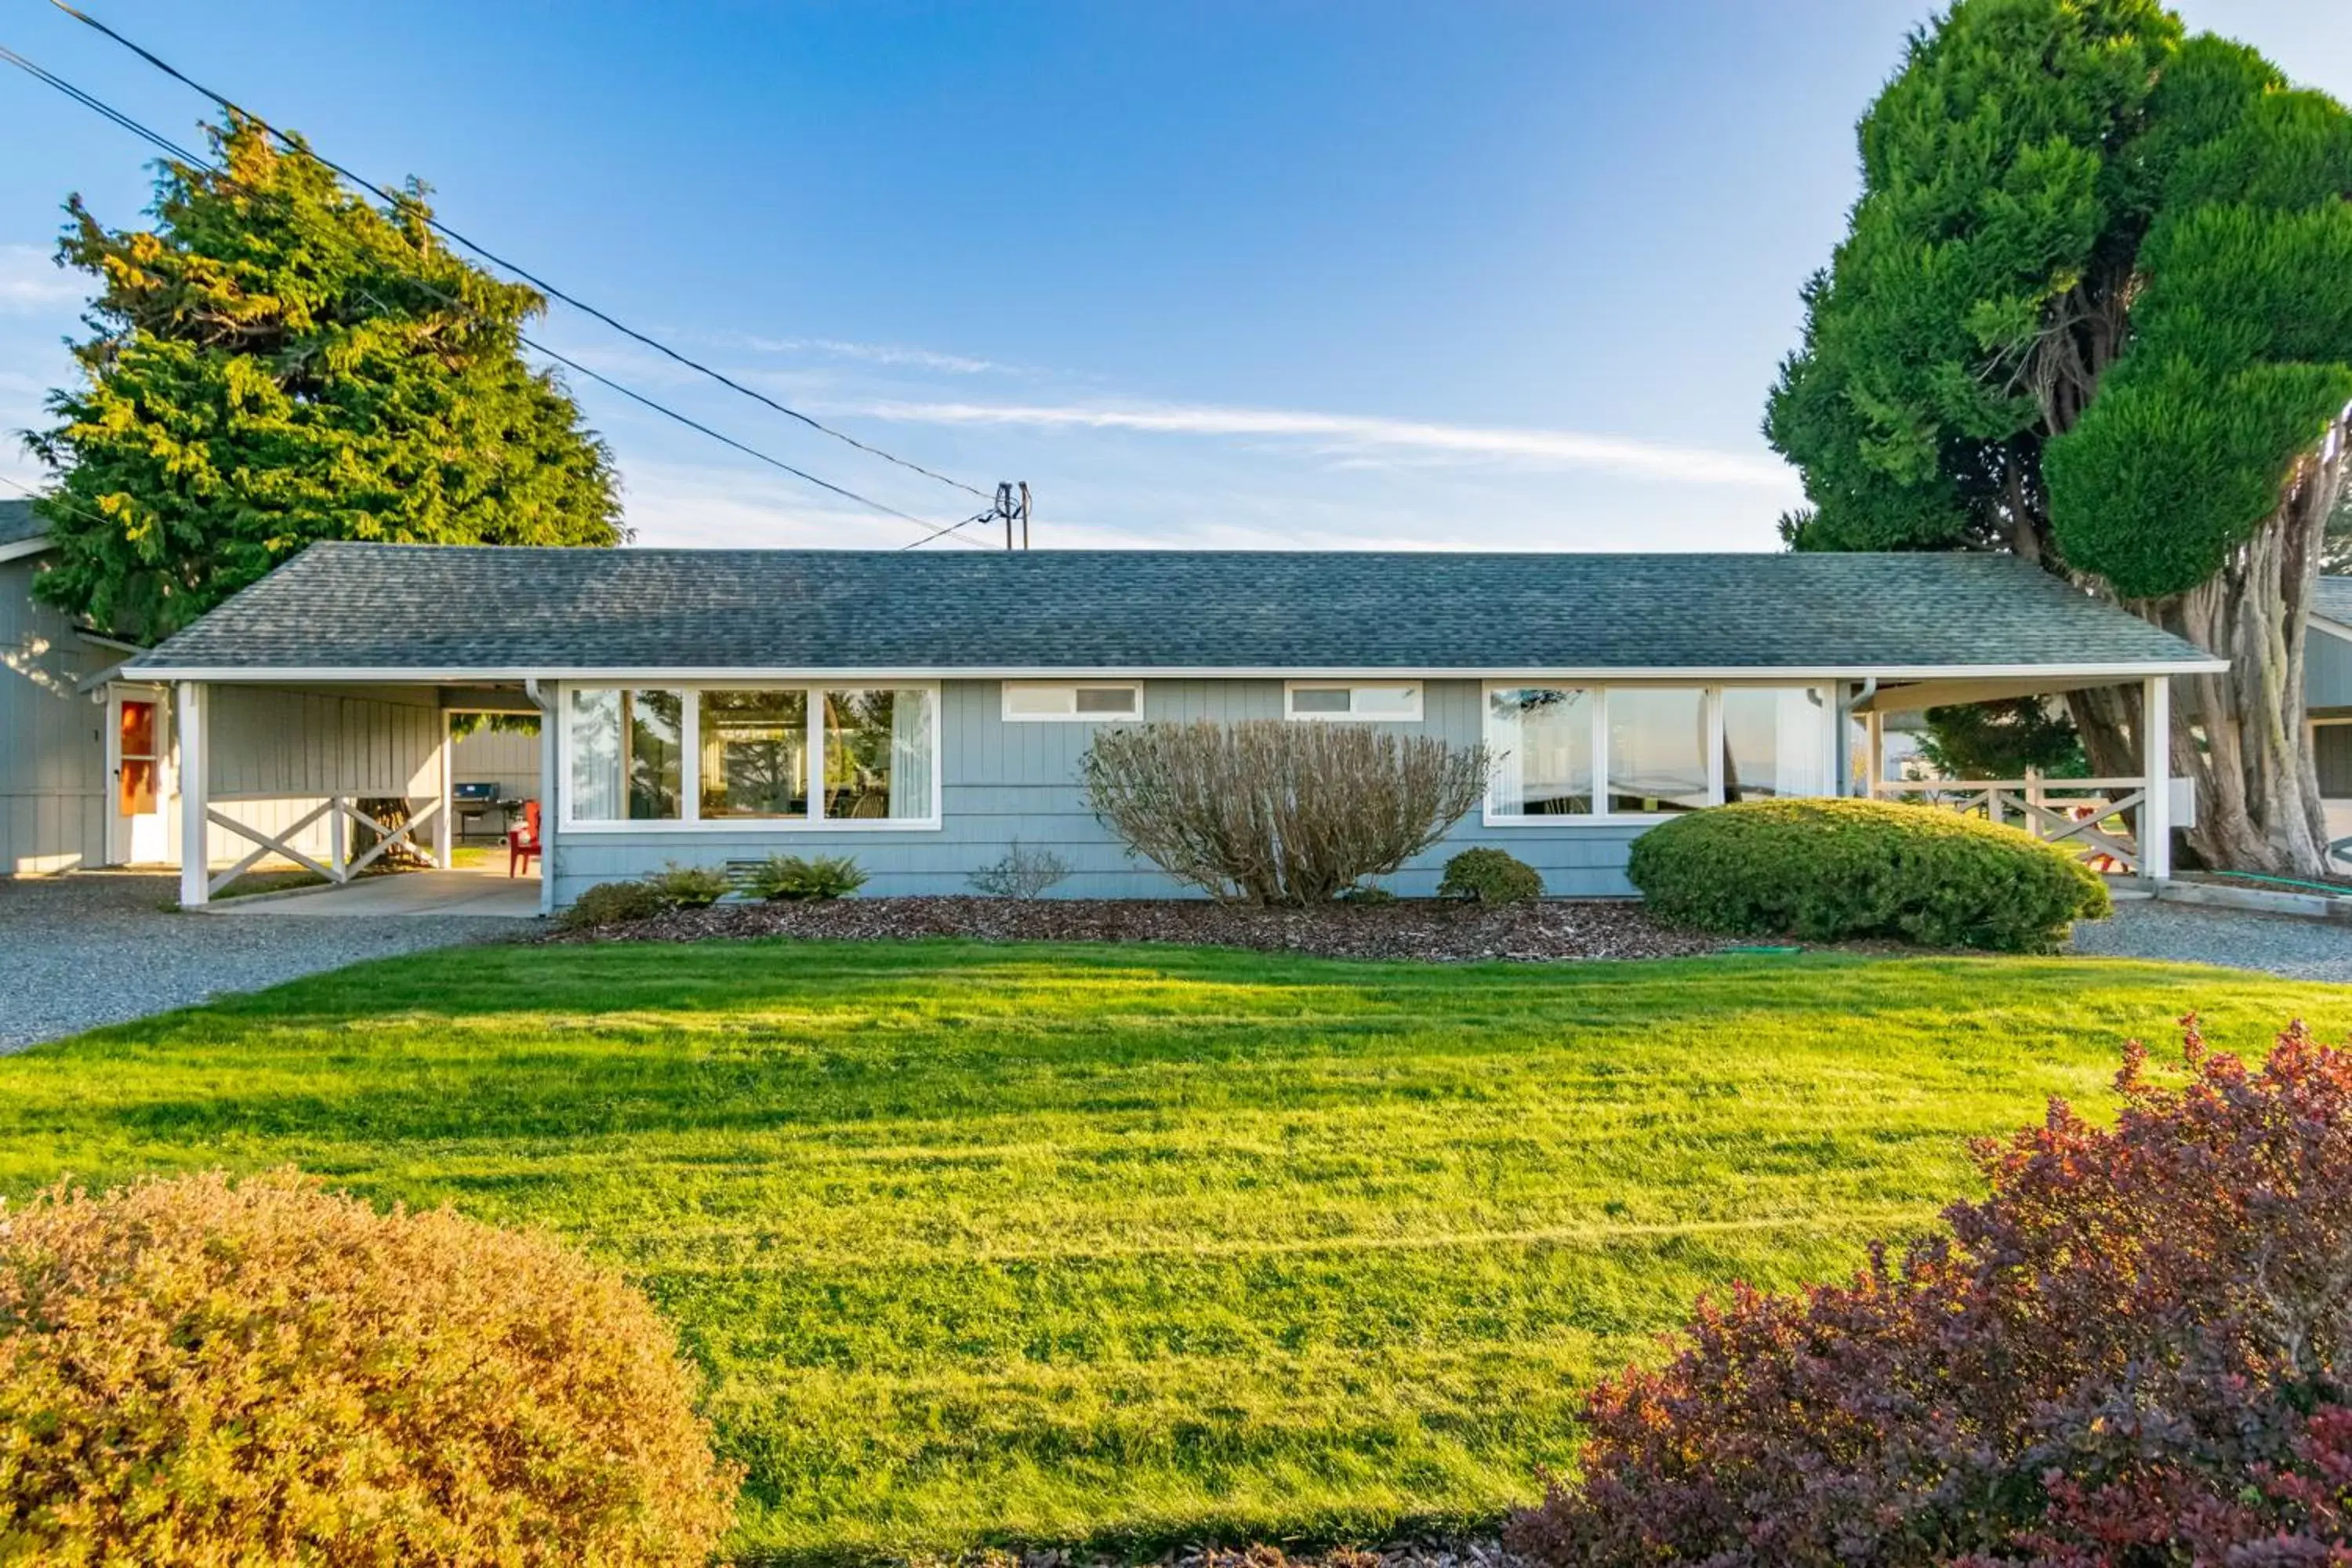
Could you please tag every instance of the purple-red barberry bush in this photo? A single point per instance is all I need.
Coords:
(2136, 1349)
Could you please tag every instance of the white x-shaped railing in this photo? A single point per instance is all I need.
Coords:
(341, 813)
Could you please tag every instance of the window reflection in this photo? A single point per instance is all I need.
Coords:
(753, 750)
(878, 745)
(1657, 749)
(1541, 738)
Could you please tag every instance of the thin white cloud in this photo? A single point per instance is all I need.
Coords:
(31, 282)
(883, 354)
(1561, 448)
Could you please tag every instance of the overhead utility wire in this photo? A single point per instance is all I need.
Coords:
(173, 150)
(525, 274)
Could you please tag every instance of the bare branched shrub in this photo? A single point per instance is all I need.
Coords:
(1265, 812)
(1021, 876)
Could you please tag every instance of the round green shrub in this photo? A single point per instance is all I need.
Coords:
(1490, 876)
(613, 904)
(198, 1371)
(1826, 869)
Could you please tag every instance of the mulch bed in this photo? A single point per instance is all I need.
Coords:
(1436, 1552)
(1414, 929)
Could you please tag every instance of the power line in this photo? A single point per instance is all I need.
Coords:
(173, 150)
(63, 505)
(525, 274)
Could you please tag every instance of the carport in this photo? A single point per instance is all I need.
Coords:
(330, 776)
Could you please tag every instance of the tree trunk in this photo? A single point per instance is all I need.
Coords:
(2240, 734)
(2107, 717)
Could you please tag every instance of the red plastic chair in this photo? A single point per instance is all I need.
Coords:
(522, 843)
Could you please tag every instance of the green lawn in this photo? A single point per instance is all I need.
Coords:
(1129, 1244)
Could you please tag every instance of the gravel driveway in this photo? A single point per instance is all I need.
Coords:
(2185, 933)
(78, 952)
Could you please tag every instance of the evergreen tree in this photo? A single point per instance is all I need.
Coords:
(2094, 307)
(280, 360)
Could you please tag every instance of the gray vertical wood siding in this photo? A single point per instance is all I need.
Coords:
(275, 752)
(52, 737)
(1002, 781)
(2326, 672)
(501, 757)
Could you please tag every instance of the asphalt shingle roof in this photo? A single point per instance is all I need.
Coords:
(512, 611)
(17, 521)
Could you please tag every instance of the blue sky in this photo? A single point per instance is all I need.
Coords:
(1258, 275)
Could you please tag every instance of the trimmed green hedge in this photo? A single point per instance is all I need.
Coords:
(1826, 869)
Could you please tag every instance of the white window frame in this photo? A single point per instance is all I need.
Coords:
(1291, 689)
(1712, 697)
(692, 821)
(1006, 689)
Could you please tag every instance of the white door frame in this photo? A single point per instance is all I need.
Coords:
(130, 840)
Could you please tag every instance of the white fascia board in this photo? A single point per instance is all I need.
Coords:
(744, 674)
(2333, 628)
(18, 549)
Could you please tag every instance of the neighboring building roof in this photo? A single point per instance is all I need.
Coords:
(2333, 600)
(18, 522)
(514, 612)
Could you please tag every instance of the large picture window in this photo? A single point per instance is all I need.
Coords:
(878, 754)
(1642, 751)
(627, 755)
(1541, 738)
(1776, 742)
(780, 756)
(754, 751)
(1657, 749)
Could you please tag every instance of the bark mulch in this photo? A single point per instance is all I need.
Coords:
(1414, 929)
(1436, 1552)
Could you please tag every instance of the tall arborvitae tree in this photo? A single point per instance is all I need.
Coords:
(280, 360)
(2095, 306)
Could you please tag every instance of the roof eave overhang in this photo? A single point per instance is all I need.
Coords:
(456, 674)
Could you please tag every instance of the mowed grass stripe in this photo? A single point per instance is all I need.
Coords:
(1078, 1244)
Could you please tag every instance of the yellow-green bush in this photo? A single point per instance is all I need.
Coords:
(197, 1371)
(1825, 869)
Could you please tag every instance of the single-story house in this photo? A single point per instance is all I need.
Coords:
(2327, 698)
(70, 727)
(921, 713)
(89, 764)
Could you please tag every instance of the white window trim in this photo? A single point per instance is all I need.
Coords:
(691, 762)
(1007, 688)
(1712, 700)
(1290, 690)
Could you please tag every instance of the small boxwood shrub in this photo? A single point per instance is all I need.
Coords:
(613, 904)
(2136, 1349)
(690, 887)
(1490, 876)
(199, 1371)
(1825, 869)
(784, 878)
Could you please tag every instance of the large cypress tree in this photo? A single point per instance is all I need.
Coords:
(278, 360)
(2094, 307)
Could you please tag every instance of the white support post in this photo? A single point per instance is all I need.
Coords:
(2156, 757)
(195, 785)
(442, 842)
(550, 808)
(339, 842)
(1876, 725)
